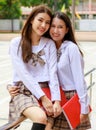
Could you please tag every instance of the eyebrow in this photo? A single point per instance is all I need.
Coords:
(58, 25)
(43, 18)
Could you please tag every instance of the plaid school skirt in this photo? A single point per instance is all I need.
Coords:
(60, 122)
(22, 101)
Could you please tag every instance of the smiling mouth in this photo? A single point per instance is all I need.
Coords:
(55, 35)
(42, 30)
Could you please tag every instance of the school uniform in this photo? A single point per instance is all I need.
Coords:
(41, 70)
(71, 78)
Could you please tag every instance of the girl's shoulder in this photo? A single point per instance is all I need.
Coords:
(71, 46)
(15, 41)
(73, 49)
(14, 44)
(48, 41)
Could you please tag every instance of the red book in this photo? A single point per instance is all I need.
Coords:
(47, 92)
(71, 110)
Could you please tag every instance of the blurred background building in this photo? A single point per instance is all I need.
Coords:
(86, 9)
(86, 15)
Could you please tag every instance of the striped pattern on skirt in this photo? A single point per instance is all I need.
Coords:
(20, 102)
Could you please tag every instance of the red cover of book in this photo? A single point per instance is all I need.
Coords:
(71, 110)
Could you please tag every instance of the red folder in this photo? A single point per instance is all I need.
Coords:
(71, 110)
(47, 92)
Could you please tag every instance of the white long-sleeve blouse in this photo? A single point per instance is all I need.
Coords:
(70, 72)
(29, 74)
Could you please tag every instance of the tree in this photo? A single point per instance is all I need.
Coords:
(54, 4)
(10, 9)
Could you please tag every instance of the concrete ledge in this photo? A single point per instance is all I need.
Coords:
(8, 36)
(85, 36)
(80, 36)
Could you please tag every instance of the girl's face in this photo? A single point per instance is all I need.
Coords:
(41, 23)
(58, 30)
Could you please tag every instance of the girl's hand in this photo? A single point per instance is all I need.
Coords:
(83, 118)
(47, 104)
(57, 108)
(13, 90)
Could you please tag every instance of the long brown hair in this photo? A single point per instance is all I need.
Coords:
(70, 34)
(25, 42)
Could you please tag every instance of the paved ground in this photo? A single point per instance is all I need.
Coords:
(89, 49)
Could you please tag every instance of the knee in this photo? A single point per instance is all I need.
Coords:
(42, 118)
(36, 114)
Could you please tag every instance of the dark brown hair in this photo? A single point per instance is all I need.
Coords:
(27, 30)
(70, 34)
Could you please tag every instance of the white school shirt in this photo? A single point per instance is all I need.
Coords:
(70, 72)
(30, 75)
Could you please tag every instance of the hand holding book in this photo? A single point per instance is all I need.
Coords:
(71, 110)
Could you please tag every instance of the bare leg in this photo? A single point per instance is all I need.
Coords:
(36, 114)
(49, 126)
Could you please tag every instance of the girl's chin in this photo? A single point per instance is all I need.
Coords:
(40, 34)
(55, 39)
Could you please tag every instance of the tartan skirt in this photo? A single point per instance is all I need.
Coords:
(22, 101)
(60, 122)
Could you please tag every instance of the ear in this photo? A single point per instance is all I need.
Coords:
(67, 29)
(31, 22)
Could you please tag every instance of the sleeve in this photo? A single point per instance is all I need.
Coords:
(76, 63)
(53, 83)
(22, 71)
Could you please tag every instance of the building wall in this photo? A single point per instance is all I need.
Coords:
(86, 9)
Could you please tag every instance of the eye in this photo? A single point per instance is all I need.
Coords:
(52, 26)
(60, 26)
(48, 22)
(40, 20)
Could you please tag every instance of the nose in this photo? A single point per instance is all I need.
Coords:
(55, 29)
(43, 24)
